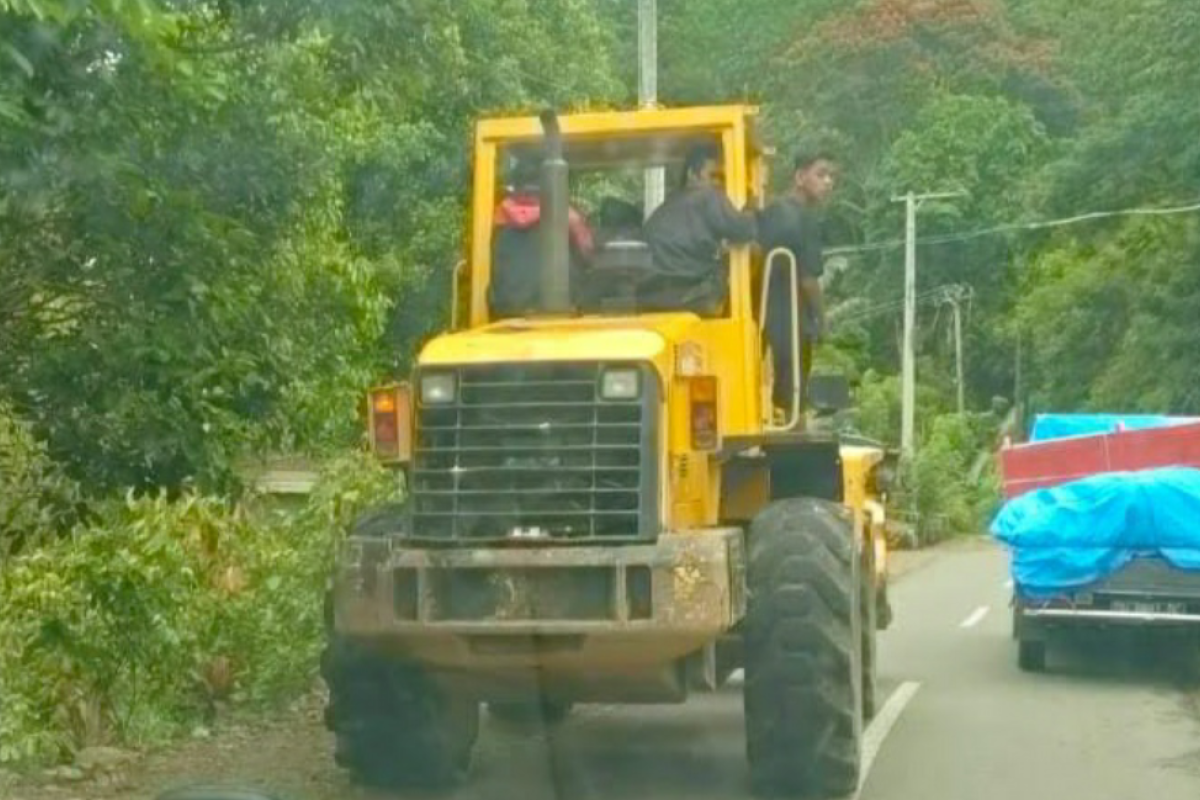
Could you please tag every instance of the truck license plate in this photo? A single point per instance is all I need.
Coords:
(1143, 607)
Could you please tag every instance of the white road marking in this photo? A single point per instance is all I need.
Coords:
(976, 616)
(877, 730)
(881, 726)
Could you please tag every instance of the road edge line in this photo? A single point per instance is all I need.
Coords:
(881, 726)
(975, 617)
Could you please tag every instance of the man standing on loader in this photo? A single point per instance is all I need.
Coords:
(793, 223)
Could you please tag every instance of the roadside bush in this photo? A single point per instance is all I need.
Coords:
(37, 501)
(878, 407)
(953, 486)
(954, 491)
(159, 612)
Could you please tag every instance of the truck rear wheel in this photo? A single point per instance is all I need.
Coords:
(803, 643)
(1031, 656)
(1031, 648)
(394, 726)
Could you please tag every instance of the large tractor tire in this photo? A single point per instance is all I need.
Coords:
(395, 727)
(803, 643)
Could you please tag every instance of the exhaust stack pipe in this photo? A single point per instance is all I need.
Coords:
(555, 278)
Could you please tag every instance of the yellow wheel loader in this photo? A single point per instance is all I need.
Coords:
(602, 504)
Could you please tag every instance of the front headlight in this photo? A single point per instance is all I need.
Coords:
(620, 384)
(437, 388)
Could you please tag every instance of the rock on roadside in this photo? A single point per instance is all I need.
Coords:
(94, 761)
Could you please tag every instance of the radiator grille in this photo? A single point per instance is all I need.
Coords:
(533, 451)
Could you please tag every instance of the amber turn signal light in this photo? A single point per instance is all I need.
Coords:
(391, 423)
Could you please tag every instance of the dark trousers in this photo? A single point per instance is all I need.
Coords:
(779, 336)
(782, 393)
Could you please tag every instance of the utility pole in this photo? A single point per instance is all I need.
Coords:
(648, 91)
(958, 349)
(954, 296)
(912, 203)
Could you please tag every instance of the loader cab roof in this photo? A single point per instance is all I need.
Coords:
(613, 139)
(606, 152)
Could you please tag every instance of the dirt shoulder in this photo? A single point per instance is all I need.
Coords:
(288, 754)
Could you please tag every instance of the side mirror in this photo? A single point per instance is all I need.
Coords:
(886, 476)
(828, 393)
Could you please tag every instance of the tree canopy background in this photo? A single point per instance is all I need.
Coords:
(221, 219)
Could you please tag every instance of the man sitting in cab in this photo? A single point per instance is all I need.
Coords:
(686, 234)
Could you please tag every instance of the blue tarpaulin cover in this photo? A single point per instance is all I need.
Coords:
(1059, 426)
(1068, 536)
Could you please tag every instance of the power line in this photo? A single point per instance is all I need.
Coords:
(1017, 226)
(890, 305)
(942, 293)
(886, 306)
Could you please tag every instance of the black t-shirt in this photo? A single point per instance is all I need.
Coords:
(789, 224)
(686, 231)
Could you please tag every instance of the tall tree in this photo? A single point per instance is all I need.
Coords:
(218, 228)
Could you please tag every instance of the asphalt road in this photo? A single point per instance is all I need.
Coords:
(960, 720)
(1110, 718)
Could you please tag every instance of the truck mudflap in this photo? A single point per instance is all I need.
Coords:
(564, 607)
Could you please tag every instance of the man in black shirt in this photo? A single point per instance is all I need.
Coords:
(516, 251)
(794, 223)
(685, 235)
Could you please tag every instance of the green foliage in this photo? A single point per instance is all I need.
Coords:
(878, 407)
(37, 502)
(1111, 323)
(952, 486)
(1136, 64)
(949, 499)
(735, 38)
(982, 145)
(220, 222)
(143, 620)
